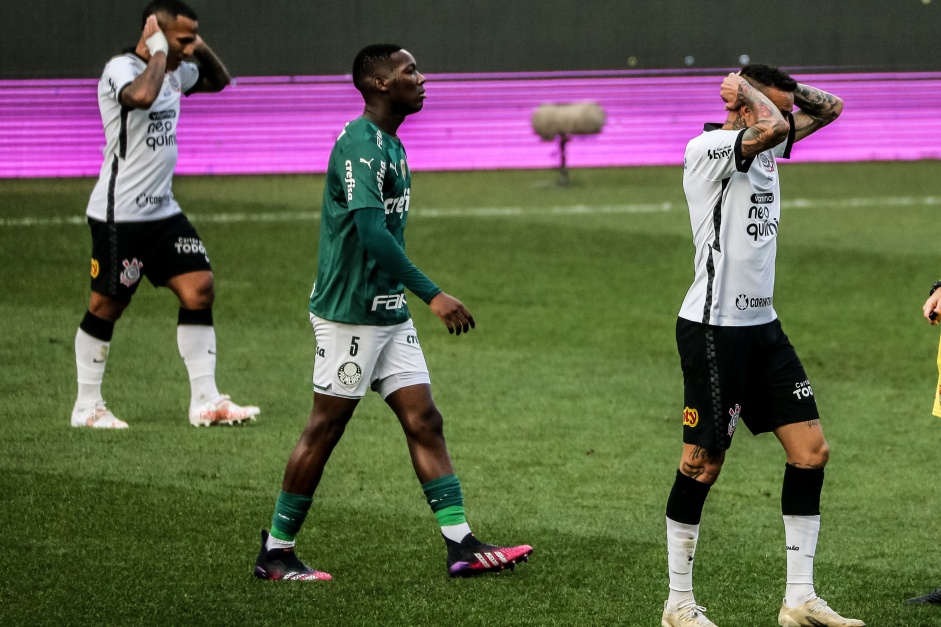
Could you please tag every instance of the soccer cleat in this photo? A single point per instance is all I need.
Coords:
(283, 565)
(814, 613)
(933, 597)
(689, 616)
(221, 412)
(472, 557)
(96, 416)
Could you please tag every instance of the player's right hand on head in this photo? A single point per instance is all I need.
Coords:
(153, 37)
(452, 312)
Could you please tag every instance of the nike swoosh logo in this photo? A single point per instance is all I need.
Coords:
(212, 352)
(324, 389)
(98, 361)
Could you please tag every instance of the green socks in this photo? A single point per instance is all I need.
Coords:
(446, 501)
(289, 514)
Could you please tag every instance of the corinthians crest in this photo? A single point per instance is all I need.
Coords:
(131, 273)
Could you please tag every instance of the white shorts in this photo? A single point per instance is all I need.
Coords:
(351, 358)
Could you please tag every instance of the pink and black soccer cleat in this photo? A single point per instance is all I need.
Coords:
(472, 557)
(283, 565)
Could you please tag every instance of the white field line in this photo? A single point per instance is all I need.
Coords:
(308, 216)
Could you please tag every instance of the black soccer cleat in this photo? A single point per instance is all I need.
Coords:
(472, 557)
(283, 565)
(934, 598)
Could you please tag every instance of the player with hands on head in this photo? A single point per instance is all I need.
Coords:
(738, 365)
(137, 226)
(364, 332)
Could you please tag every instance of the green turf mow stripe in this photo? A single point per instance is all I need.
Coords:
(306, 216)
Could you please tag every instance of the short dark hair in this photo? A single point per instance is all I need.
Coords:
(173, 8)
(769, 76)
(368, 59)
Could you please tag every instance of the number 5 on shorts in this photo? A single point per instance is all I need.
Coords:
(354, 347)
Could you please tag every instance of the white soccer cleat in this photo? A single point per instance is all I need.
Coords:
(814, 613)
(222, 411)
(96, 416)
(690, 616)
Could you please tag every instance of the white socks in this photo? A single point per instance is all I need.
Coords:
(274, 543)
(681, 549)
(800, 534)
(90, 357)
(455, 533)
(197, 344)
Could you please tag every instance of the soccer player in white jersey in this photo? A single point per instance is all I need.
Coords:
(137, 226)
(738, 364)
(364, 331)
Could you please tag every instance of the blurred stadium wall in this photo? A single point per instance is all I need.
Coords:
(73, 39)
(654, 66)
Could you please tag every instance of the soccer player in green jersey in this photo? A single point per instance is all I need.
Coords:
(365, 336)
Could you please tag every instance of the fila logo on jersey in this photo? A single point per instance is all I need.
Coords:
(690, 417)
(350, 183)
(388, 301)
(720, 153)
(398, 205)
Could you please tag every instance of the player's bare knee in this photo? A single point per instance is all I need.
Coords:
(106, 308)
(814, 456)
(204, 294)
(324, 426)
(424, 422)
(702, 464)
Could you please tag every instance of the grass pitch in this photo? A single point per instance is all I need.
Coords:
(562, 410)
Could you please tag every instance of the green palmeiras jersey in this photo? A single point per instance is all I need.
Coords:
(368, 169)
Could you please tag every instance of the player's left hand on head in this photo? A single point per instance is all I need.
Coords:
(452, 312)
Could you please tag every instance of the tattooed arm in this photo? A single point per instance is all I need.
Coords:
(213, 76)
(817, 109)
(769, 129)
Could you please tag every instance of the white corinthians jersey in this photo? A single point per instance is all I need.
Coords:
(734, 211)
(140, 154)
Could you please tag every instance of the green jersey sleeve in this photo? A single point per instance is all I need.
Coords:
(381, 246)
(362, 175)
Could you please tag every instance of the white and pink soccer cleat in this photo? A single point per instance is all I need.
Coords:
(96, 416)
(222, 411)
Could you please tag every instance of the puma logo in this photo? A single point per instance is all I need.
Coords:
(368, 163)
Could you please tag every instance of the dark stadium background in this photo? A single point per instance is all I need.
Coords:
(55, 39)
